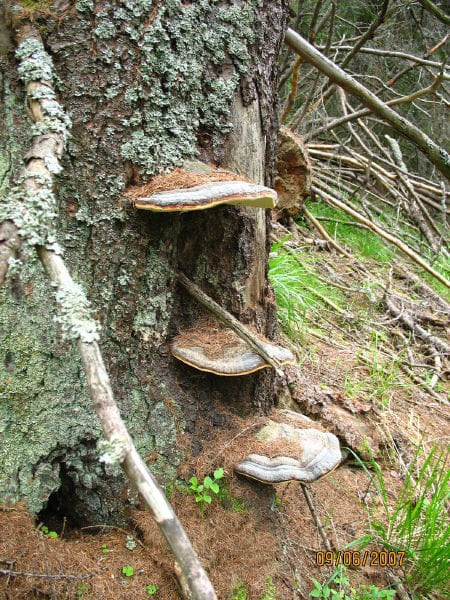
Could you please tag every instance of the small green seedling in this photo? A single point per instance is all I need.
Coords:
(105, 549)
(50, 534)
(128, 570)
(202, 491)
(81, 589)
(152, 589)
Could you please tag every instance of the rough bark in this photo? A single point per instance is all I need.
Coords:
(146, 84)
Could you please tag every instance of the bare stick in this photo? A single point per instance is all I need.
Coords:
(408, 321)
(315, 516)
(323, 232)
(432, 8)
(402, 271)
(329, 198)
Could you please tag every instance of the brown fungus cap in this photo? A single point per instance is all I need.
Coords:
(215, 349)
(303, 455)
(197, 186)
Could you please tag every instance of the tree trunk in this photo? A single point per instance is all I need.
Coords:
(146, 84)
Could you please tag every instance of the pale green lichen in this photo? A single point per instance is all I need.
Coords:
(34, 210)
(75, 315)
(112, 452)
(105, 30)
(85, 5)
(35, 63)
(186, 94)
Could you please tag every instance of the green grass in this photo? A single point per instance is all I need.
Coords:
(366, 244)
(442, 266)
(382, 375)
(417, 523)
(296, 304)
(363, 242)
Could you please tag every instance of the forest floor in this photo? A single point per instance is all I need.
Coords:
(354, 378)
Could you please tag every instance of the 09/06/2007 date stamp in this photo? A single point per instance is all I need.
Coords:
(359, 559)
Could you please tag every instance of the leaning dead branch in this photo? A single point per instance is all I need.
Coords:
(437, 155)
(32, 208)
(328, 194)
(418, 283)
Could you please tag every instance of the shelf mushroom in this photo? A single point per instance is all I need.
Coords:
(197, 186)
(292, 453)
(213, 348)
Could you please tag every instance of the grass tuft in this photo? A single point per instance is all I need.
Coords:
(417, 524)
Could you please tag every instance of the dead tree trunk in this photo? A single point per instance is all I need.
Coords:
(146, 85)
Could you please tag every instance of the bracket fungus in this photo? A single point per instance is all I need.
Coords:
(197, 186)
(216, 349)
(291, 454)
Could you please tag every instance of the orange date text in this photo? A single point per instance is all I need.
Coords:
(360, 559)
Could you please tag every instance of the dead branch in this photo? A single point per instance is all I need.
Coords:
(315, 516)
(390, 53)
(407, 320)
(322, 231)
(75, 317)
(427, 54)
(230, 321)
(420, 285)
(364, 112)
(436, 11)
(328, 196)
(293, 92)
(10, 573)
(413, 208)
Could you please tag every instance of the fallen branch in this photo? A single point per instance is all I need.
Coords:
(437, 155)
(402, 271)
(407, 320)
(435, 10)
(330, 199)
(323, 232)
(28, 204)
(315, 516)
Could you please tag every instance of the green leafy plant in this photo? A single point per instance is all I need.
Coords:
(338, 587)
(50, 534)
(270, 593)
(105, 549)
(128, 570)
(204, 492)
(151, 589)
(81, 589)
(418, 522)
(240, 592)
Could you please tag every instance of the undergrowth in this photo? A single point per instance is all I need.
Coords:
(417, 524)
(367, 245)
(297, 289)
